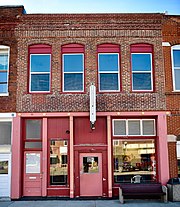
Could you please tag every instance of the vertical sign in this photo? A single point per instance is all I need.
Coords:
(92, 104)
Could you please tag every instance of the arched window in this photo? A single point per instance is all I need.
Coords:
(73, 67)
(39, 68)
(142, 67)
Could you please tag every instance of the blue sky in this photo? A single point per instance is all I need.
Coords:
(97, 6)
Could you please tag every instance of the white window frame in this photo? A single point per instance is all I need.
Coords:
(141, 127)
(39, 73)
(112, 72)
(73, 72)
(3, 47)
(133, 72)
(176, 47)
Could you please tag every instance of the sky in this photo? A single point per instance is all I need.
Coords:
(97, 6)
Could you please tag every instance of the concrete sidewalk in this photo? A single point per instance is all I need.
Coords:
(88, 203)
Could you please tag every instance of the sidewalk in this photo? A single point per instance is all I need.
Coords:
(88, 203)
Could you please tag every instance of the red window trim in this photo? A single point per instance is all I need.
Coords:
(73, 48)
(112, 48)
(40, 49)
(141, 48)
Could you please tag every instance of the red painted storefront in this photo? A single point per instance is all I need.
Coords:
(82, 141)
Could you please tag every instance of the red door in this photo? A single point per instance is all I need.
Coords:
(32, 174)
(90, 174)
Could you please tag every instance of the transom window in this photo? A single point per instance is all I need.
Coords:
(40, 65)
(4, 70)
(176, 67)
(108, 67)
(134, 127)
(73, 72)
(141, 66)
(33, 134)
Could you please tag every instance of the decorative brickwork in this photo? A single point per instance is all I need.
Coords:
(90, 30)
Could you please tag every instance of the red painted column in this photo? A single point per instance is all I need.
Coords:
(16, 178)
(71, 159)
(163, 164)
(44, 157)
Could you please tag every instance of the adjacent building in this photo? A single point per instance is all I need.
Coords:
(171, 51)
(91, 103)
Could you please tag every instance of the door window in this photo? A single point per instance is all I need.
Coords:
(90, 165)
(32, 163)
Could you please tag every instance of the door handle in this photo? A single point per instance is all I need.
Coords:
(104, 179)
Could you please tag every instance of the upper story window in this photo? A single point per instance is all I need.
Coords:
(73, 68)
(141, 66)
(176, 67)
(40, 68)
(4, 70)
(108, 67)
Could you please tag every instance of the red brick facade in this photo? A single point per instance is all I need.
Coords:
(90, 30)
(171, 35)
(8, 21)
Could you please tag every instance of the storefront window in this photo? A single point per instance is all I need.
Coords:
(134, 161)
(178, 168)
(58, 162)
(3, 167)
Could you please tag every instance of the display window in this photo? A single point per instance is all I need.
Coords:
(134, 161)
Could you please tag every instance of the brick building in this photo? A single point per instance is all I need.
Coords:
(171, 51)
(90, 103)
(8, 88)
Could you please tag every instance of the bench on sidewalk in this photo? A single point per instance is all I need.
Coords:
(142, 189)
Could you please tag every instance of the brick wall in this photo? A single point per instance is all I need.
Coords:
(90, 30)
(8, 21)
(171, 34)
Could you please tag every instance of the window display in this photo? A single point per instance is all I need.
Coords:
(134, 161)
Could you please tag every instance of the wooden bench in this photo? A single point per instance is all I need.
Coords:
(142, 189)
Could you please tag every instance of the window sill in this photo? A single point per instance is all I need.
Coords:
(4, 94)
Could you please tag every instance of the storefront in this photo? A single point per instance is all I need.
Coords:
(5, 153)
(59, 154)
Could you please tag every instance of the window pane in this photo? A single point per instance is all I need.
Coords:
(73, 82)
(40, 82)
(134, 161)
(141, 62)
(90, 165)
(109, 82)
(33, 163)
(58, 163)
(178, 168)
(3, 61)
(177, 79)
(176, 58)
(3, 88)
(119, 127)
(3, 77)
(40, 63)
(33, 145)
(73, 63)
(5, 132)
(142, 81)
(108, 62)
(3, 167)
(33, 129)
(134, 127)
(148, 127)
